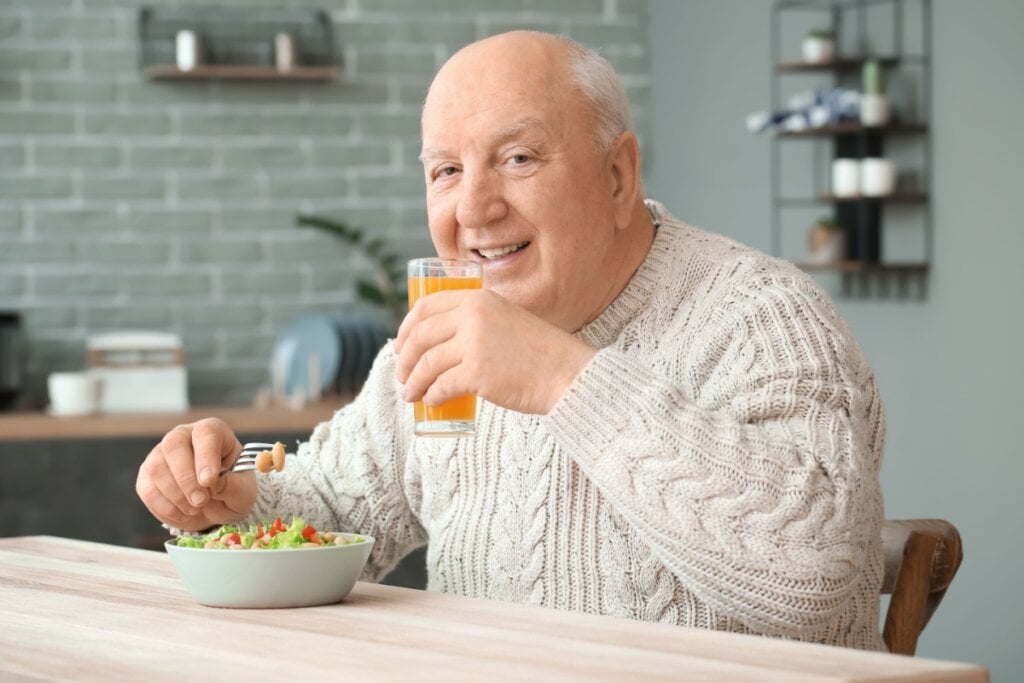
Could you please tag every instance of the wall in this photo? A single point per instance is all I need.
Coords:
(127, 203)
(950, 365)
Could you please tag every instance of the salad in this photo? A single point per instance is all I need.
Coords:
(268, 536)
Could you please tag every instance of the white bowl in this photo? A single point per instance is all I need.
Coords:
(287, 577)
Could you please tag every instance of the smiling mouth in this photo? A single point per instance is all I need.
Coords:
(498, 252)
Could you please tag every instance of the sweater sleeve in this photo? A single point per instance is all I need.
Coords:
(351, 475)
(748, 460)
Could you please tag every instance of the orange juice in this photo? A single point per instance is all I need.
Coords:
(458, 415)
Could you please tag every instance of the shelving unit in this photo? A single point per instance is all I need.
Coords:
(237, 43)
(861, 216)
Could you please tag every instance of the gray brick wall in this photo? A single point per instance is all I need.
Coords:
(129, 203)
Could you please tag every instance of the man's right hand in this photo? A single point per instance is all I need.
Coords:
(180, 480)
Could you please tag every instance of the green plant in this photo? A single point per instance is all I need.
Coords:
(821, 34)
(873, 78)
(389, 290)
(828, 223)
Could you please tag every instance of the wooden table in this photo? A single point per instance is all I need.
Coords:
(72, 610)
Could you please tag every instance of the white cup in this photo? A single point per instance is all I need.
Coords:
(74, 393)
(874, 110)
(845, 177)
(877, 177)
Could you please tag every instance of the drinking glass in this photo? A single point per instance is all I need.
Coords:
(456, 416)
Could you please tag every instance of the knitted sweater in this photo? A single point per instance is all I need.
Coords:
(715, 465)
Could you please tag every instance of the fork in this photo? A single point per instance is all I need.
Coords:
(247, 458)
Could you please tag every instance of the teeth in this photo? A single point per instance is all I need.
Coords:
(501, 251)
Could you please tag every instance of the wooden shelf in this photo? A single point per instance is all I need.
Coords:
(854, 128)
(36, 426)
(865, 267)
(241, 72)
(841, 64)
(895, 198)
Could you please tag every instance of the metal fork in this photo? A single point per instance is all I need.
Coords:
(247, 458)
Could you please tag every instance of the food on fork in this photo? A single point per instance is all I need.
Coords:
(273, 458)
(268, 536)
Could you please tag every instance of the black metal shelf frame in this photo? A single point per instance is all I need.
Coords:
(864, 216)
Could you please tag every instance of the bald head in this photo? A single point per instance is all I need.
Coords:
(531, 64)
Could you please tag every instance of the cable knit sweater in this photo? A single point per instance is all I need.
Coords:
(715, 465)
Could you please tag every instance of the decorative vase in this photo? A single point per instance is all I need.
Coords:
(874, 110)
(826, 244)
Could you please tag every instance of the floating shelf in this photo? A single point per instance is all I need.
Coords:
(237, 43)
(842, 64)
(241, 72)
(855, 128)
(895, 198)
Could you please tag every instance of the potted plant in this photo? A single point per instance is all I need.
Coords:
(826, 242)
(388, 291)
(874, 105)
(818, 46)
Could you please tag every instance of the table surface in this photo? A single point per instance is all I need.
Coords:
(74, 610)
(22, 426)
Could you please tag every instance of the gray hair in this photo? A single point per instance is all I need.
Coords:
(602, 88)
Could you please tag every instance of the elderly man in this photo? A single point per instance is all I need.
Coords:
(673, 427)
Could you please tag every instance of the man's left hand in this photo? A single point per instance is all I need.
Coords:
(460, 342)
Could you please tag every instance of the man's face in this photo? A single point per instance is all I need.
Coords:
(514, 180)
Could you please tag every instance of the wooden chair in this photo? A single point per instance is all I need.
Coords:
(921, 559)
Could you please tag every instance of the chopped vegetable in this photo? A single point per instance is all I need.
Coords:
(267, 536)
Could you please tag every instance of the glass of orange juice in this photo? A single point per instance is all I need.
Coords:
(457, 416)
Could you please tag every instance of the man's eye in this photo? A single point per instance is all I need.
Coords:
(447, 171)
(520, 158)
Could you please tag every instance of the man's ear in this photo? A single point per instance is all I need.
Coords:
(624, 167)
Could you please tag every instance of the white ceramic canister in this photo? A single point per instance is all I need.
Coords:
(845, 177)
(186, 50)
(877, 177)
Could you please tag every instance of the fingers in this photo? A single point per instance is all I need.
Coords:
(173, 480)
(426, 307)
(421, 338)
(233, 497)
(159, 492)
(437, 363)
(215, 446)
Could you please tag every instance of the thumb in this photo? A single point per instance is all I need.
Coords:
(236, 491)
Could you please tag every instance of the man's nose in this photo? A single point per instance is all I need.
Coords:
(480, 200)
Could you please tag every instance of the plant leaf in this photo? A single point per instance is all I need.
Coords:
(369, 292)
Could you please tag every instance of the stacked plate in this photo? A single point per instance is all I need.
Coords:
(323, 354)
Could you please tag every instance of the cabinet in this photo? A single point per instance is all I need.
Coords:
(897, 35)
(238, 43)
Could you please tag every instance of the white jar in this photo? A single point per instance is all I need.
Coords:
(284, 52)
(186, 50)
(845, 177)
(877, 177)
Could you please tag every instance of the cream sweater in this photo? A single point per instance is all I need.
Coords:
(715, 465)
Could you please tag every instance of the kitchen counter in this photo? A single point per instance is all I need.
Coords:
(38, 426)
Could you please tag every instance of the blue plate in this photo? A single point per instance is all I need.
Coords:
(299, 342)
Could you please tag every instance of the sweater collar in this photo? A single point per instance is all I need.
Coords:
(604, 329)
